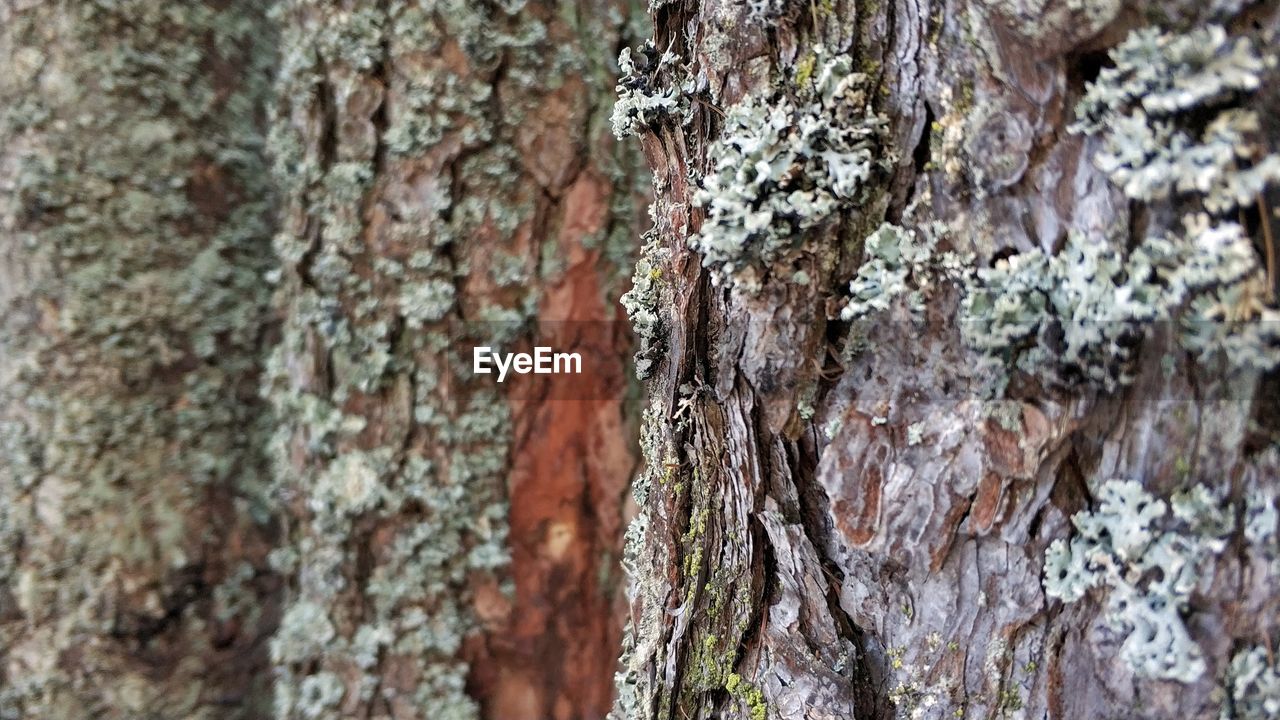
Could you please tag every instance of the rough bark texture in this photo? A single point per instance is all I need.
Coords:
(849, 514)
(134, 231)
(958, 319)
(451, 182)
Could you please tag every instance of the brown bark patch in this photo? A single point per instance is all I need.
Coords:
(1004, 449)
(987, 502)
(555, 655)
(853, 476)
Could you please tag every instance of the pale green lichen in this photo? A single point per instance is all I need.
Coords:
(1168, 73)
(1261, 518)
(784, 165)
(318, 694)
(653, 87)
(1163, 136)
(901, 263)
(915, 433)
(352, 484)
(635, 693)
(426, 302)
(1253, 687)
(1150, 159)
(1080, 314)
(765, 11)
(1118, 547)
(643, 306)
(1235, 317)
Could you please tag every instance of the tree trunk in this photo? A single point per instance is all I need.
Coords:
(929, 434)
(450, 182)
(958, 323)
(134, 231)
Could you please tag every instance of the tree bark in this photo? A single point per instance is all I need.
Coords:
(450, 182)
(958, 322)
(841, 517)
(134, 230)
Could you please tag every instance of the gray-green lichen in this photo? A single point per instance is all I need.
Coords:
(1163, 137)
(1150, 159)
(1262, 521)
(643, 304)
(1149, 561)
(1082, 312)
(654, 87)
(636, 691)
(784, 165)
(766, 11)
(1253, 686)
(901, 263)
(1164, 74)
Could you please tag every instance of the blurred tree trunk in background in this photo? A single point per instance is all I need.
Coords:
(449, 181)
(378, 535)
(135, 226)
(849, 504)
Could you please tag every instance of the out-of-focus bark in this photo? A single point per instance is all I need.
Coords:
(836, 522)
(451, 182)
(134, 233)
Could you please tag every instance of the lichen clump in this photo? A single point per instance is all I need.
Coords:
(1150, 562)
(1081, 313)
(1164, 136)
(652, 87)
(1149, 149)
(785, 165)
(641, 303)
(901, 263)
(1253, 687)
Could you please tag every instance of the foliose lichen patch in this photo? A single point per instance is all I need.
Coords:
(784, 164)
(1148, 555)
(654, 87)
(901, 263)
(1166, 134)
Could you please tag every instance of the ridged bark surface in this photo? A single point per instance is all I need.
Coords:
(848, 513)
